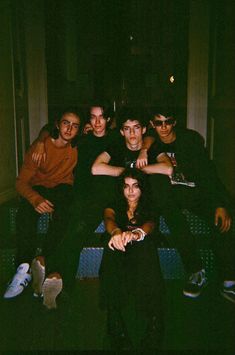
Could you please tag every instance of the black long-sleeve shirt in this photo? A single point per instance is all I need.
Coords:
(192, 160)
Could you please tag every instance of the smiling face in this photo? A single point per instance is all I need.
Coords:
(133, 132)
(98, 121)
(68, 127)
(131, 190)
(164, 127)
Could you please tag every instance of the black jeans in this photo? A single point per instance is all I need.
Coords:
(27, 219)
(222, 244)
(133, 280)
(85, 216)
(183, 239)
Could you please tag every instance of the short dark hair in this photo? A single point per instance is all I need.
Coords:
(132, 114)
(107, 109)
(161, 110)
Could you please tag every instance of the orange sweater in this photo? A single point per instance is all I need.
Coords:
(57, 169)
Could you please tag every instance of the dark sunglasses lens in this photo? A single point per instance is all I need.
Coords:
(158, 123)
(170, 121)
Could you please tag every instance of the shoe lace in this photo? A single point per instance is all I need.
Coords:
(198, 278)
(18, 280)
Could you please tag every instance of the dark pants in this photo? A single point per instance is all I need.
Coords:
(223, 244)
(183, 239)
(133, 280)
(27, 219)
(86, 215)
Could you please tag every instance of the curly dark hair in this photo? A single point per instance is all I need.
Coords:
(133, 114)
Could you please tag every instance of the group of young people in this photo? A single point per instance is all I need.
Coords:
(127, 176)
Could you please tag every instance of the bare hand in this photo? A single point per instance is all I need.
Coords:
(45, 207)
(116, 242)
(39, 153)
(87, 128)
(127, 237)
(223, 218)
(142, 159)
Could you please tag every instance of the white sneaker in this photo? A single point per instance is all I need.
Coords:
(19, 281)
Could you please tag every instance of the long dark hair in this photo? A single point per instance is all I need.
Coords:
(143, 209)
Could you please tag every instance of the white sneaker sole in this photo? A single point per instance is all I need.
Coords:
(191, 295)
(38, 272)
(226, 295)
(8, 295)
(51, 288)
(195, 295)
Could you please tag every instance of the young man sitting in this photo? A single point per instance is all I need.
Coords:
(44, 189)
(195, 186)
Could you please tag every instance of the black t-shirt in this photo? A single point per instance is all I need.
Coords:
(187, 154)
(89, 147)
(123, 221)
(192, 164)
(124, 157)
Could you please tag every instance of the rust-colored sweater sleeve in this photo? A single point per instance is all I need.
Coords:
(56, 169)
(23, 181)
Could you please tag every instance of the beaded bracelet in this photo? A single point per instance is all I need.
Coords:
(142, 233)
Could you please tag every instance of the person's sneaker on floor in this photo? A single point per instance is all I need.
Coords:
(38, 274)
(19, 282)
(195, 284)
(228, 291)
(51, 288)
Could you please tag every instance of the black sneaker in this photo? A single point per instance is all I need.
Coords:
(195, 284)
(229, 293)
(153, 337)
(117, 333)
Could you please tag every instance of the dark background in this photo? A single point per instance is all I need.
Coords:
(122, 51)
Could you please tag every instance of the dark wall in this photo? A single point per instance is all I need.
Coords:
(222, 91)
(125, 51)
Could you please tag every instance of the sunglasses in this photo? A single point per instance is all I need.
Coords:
(159, 123)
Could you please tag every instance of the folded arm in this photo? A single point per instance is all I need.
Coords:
(142, 159)
(24, 186)
(101, 166)
(162, 166)
(119, 239)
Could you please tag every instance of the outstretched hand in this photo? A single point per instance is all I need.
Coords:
(87, 128)
(121, 239)
(116, 242)
(39, 153)
(45, 207)
(222, 219)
